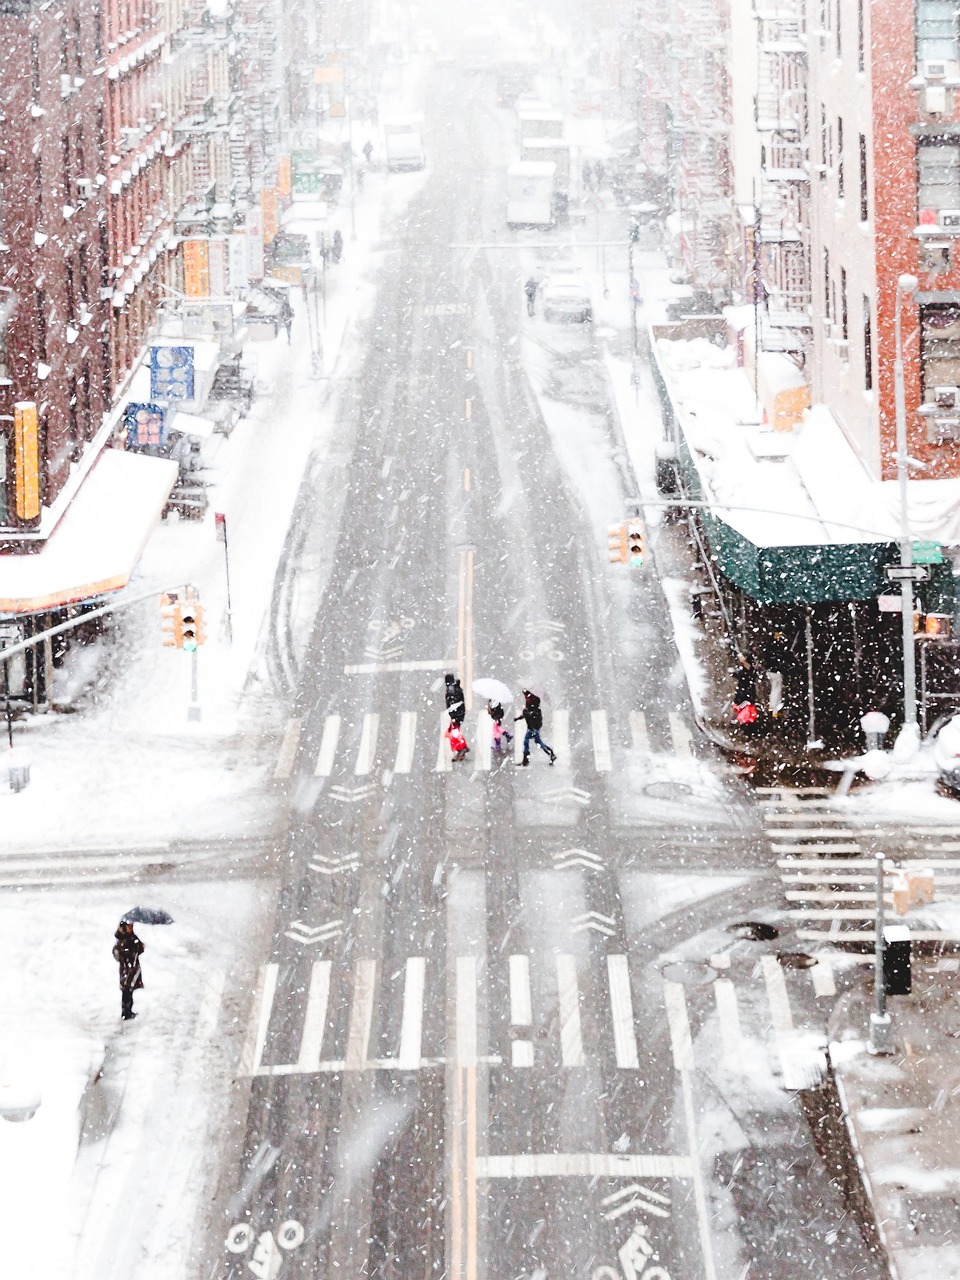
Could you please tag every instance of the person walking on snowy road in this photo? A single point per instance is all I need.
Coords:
(127, 952)
(500, 735)
(456, 703)
(458, 743)
(533, 716)
(530, 289)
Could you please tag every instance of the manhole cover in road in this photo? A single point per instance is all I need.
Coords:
(753, 931)
(667, 790)
(796, 960)
(689, 973)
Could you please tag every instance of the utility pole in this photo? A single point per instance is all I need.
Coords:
(881, 1038)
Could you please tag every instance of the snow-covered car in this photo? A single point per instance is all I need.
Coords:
(946, 753)
(563, 299)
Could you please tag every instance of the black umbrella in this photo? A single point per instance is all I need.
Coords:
(147, 915)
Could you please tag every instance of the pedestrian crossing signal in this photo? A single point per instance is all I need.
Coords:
(938, 625)
(171, 623)
(192, 629)
(635, 544)
(617, 542)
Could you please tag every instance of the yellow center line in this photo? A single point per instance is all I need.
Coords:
(468, 409)
(466, 479)
(469, 359)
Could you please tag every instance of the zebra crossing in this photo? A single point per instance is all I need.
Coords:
(559, 1012)
(375, 741)
(826, 856)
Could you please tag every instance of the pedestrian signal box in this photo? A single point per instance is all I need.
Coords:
(193, 633)
(617, 543)
(171, 623)
(635, 544)
(938, 625)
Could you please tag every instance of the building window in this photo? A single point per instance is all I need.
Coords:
(864, 198)
(839, 38)
(938, 35)
(839, 158)
(824, 146)
(867, 346)
(843, 304)
(939, 348)
(860, 35)
(826, 284)
(938, 173)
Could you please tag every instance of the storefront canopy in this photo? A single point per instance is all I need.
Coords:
(96, 545)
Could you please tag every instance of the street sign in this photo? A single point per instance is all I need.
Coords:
(906, 572)
(927, 553)
(889, 603)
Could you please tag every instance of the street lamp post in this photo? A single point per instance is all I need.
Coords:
(906, 284)
(881, 1038)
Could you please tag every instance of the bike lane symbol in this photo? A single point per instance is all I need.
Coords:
(266, 1259)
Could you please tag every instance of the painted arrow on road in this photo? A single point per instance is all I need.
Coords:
(566, 858)
(333, 866)
(313, 935)
(595, 921)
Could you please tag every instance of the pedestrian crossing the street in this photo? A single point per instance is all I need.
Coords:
(555, 1011)
(396, 743)
(826, 855)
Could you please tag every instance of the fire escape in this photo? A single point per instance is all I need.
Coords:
(782, 259)
(702, 159)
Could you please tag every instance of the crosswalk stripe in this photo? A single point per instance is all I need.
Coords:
(521, 1009)
(444, 758)
(406, 741)
(621, 1011)
(467, 1011)
(288, 750)
(601, 741)
(680, 1040)
(568, 995)
(411, 1022)
(518, 741)
(560, 734)
(361, 1015)
(822, 977)
(484, 742)
(311, 1043)
(328, 747)
(680, 735)
(796, 1066)
(367, 753)
(729, 1016)
(260, 1019)
(638, 732)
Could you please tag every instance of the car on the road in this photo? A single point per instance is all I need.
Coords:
(565, 299)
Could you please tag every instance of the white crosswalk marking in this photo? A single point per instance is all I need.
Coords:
(361, 1015)
(799, 1071)
(568, 995)
(729, 1015)
(822, 976)
(621, 1011)
(328, 747)
(483, 747)
(680, 1040)
(406, 741)
(367, 754)
(560, 734)
(260, 1021)
(444, 756)
(521, 1010)
(288, 750)
(311, 1043)
(638, 732)
(601, 741)
(411, 1023)
(519, 731)
(466, 1011)
(680, 735)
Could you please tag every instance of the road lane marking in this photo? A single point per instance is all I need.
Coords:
(799, 1067)
(521, 1009)
(571, 1040)
(621, 1010)
(471, 1173)
(466, 1011)
(583, 1165)
(560, 734)
(518, 735)
(315, 1018)
(444, 755)
(361, 1016)
(638, 732)
(328, 747)
(456, 1189)
(375, 668)
(676, 1002)
(601, 741)
(680, 735)
(466, 479)
(406, 742)
(635, 1196)
(367, 753)
(484, 741)
(288, 750)
(822, 976)
(259, 1019)
(699, 1195)
(411, 1022)
(729, 1015)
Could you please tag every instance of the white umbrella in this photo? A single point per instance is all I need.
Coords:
(494, 690)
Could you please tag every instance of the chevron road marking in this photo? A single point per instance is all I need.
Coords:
(601, 741)
(406, 741)
(567, 793)
(288, 750)
(638, 732)
(566, 858)
(621, 1010)
(353, 795)
(313, 935)
(593, 920)
(640, 1197)
(367, 754)
(333, 866)
(328, 747)
(571, 1039)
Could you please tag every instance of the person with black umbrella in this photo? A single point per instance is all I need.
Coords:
(127, 952)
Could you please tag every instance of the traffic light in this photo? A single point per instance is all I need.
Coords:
(617, 543)
(192, 629)
(171, 624)
(635, 543)
(938, 625)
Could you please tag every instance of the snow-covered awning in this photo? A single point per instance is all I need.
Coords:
(96, 545)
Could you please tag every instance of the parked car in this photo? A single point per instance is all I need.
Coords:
(565, 299)
(946, 753)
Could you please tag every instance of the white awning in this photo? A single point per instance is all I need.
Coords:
(96, 545)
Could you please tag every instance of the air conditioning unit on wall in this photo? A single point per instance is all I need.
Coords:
(934, 69)
(946, 397)
(950, 218)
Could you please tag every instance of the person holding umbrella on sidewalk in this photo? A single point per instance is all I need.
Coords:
(127, 952)
(532, 714)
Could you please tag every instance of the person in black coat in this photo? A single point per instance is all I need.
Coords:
(456, 703)
(127, 952)
(533, 716)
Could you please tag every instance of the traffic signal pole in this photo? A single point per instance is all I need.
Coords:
(193, 710)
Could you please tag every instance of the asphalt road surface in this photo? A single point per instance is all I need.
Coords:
(475, 1049)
